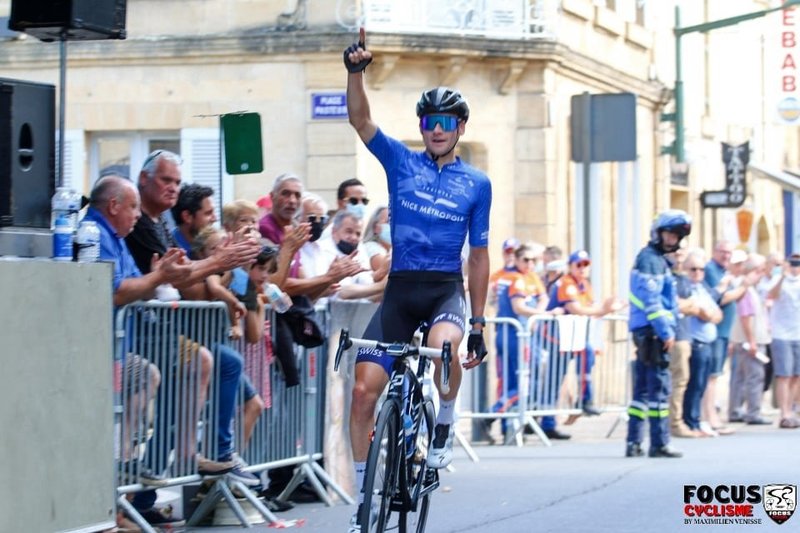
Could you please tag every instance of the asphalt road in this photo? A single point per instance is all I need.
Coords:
(586, 485)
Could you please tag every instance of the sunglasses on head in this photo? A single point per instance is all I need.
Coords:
(322, 219)
(446, 122)
(355, 201)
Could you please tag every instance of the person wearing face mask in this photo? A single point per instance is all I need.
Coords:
(785, 296)
(378, 238)
(345, 241)
(313, 211)
(351, 196)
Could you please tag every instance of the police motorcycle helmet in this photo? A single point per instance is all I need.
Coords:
(674, 221)
(443, 100)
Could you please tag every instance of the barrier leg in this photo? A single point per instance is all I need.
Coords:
(622, 417)
(323, 475)
(538, 430)
(134, 515)
(206, 506)
(255, 502)
(467, 446)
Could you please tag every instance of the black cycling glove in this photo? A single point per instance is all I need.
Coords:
(355, 67)
(476, 345)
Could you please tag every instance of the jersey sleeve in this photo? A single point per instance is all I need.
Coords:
(479, 218)
(390, 152)
(517, 287)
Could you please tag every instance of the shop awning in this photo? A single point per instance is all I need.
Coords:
(788, 180)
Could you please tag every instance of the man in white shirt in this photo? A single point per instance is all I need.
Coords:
(786, 339)
(345, 241)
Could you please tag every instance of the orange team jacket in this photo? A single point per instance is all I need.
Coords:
(569, 290)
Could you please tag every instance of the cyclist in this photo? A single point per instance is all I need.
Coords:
(435, 200)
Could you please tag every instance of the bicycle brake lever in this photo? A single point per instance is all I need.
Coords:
(447, 356)
(344, 344)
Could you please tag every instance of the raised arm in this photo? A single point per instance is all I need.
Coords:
(356, 59)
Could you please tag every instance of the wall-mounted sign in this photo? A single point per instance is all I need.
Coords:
(735, 192)
(328, 105)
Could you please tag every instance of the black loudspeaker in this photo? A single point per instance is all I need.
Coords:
(27, 153)
(83, 20)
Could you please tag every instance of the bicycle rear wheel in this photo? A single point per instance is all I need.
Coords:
(423, 480)
(380, 477)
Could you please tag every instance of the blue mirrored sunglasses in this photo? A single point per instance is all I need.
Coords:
(446, 122)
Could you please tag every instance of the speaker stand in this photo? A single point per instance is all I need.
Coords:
(62, 104)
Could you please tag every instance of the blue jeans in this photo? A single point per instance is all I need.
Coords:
(699, 371)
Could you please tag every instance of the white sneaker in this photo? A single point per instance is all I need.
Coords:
(441, 452)
(355, 527)
(706, 428)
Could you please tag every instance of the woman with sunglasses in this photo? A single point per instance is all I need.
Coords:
(435, 200)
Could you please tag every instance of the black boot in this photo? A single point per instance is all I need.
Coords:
(664, 451)
(634, 449)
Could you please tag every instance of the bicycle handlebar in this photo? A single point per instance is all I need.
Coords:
(398, 350)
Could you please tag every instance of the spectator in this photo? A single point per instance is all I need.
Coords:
(344, 243)
(286, 194)
(351, 196)
(114, 207)
(193, 211)
(573, 294)
(524, 298)
(785, 296)
(378, 239)
(313, 211)
(681, 352)
(499, 279)
(159, 183)
(703, 330)
(554, 266)
(722, 274)
(750, 337)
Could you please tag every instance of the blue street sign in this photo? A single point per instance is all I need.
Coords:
(328, 105)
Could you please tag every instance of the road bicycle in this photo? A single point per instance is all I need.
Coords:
(397, 477)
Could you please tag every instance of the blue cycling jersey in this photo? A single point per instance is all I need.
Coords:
(431, 209)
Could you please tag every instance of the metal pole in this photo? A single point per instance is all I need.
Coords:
(586, 159)
(62, 99)
(679, 139)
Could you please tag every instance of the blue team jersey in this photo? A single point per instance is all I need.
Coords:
(432, 210)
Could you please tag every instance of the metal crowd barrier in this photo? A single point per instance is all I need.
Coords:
(551, 375)
(289, 430)
(166, 392)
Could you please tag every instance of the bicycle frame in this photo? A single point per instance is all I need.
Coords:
(408, 480)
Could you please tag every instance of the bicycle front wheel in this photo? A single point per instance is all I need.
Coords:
(380, 477)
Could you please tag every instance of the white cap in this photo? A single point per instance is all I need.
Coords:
(738, 256)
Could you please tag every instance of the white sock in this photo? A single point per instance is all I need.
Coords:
(360, 468)
(446, 411)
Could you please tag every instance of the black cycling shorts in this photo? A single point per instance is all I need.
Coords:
(410, 299)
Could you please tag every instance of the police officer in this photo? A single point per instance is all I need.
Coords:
(653, 316)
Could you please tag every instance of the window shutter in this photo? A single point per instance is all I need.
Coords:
(200, 151)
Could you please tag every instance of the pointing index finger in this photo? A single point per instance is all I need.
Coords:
(362, 37)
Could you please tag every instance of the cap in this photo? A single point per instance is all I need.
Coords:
(738, 256)
(510, 244)
(794, 260)
(579, 255)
